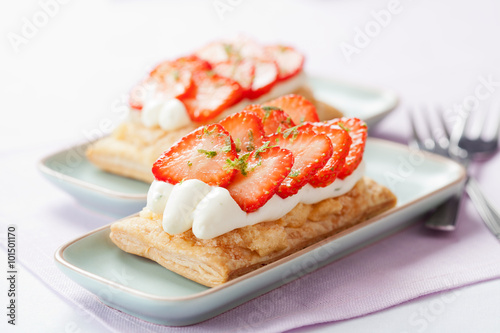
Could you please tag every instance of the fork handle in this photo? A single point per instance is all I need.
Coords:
(444, 217)
(484, 207)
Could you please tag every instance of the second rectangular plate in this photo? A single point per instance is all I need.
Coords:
(118, 196)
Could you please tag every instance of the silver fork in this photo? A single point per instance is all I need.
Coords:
(463, 149)
(437, 141)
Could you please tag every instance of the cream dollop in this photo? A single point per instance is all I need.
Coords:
(169, 114)
(211, 211)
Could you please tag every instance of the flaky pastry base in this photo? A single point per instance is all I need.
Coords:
(214, 261)
(132, 148)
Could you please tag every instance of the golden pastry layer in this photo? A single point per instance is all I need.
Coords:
(132, 148)
(214, 261)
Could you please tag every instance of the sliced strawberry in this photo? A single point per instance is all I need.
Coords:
(171, 79)
(266, 76)
(311, 152)
(259, 175)
(299, 108)
(192, 63)
(246, 130)
(241, 71)
(174, 82)
(137, 95)
(202, 154)
(250, 49)
(211, 95)
(273, 119)
(341, 141)
(358, 132)
(289, 61)
(216, 52)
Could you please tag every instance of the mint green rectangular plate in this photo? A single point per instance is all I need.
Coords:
(146, 290)
(118, 196)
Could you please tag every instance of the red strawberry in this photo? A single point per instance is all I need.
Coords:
(246, 130)
(202, 154)
(137, 95)
(216, 52)
(311, 152)
(273, 119)
(299, 108)
(242, 71)
(341, 141)
(250, 49)
(259, 175)
(173, 79)
(169, 82)
(211, 95)
(289, 61)
(192, 63)
(358, 131)
(266, 76)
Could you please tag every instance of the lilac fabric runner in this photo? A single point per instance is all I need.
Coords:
(405, 266)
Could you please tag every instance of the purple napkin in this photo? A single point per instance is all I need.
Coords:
(407, 265)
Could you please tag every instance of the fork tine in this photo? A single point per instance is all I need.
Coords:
(497, 126)
(416, 139)
(442, 140)
(443, 123)
(459, 127)
(457, 133)
(478, 125)
(421, 142)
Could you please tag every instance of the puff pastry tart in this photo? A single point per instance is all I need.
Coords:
(233, 196)
(180, 95)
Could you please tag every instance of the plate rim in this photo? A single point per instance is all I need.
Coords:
(100, 190)
(59, 254)
(378, 89)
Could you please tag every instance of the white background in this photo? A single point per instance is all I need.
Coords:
(70, 76)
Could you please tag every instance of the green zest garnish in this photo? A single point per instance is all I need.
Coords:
(208, 153)
(250, 135)
(175, 74)
(268, 110)
(227, 145)
(262, 148)
(250, 146)
(228, 48)
(291, 130)
(206, 131)
(343, 126)
(237, 143)
(239, 164)
(294, 174)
